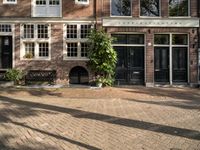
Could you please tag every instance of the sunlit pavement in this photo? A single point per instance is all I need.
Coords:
(110, 118)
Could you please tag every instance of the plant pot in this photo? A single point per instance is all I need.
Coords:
(99, 85)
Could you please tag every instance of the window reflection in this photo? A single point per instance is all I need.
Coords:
(121, 8)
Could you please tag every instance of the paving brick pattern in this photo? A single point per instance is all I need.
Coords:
(108, 119)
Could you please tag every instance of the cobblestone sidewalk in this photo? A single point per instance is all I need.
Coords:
(135, 118)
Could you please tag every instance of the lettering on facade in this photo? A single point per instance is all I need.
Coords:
(153, 23)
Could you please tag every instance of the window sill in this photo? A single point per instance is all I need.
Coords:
(35, 59)
(9, 3)
(121, 16)
(75, 59)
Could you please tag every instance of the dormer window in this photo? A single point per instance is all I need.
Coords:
(83, 2)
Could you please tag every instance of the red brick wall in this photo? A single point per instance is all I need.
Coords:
(21, 9)
(70, 10)
(57, 63)
(75, 11)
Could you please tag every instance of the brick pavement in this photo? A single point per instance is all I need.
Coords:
(135, 118)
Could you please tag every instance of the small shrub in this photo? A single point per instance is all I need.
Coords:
(14, 75)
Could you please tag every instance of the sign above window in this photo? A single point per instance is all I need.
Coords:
(151, 23)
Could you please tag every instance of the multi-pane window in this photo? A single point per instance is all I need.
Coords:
(178, 8)
(72, 49)
(42, 31)
(84, 49)
(121, 8)
(29, 49)
(85, 29)
(46, 8)
(10, 1)
(44, 49)
(28, 31)
(35, 41)
(76, 40)
(40, 2)
(54, 2)
(150, 8)
(5, 28)
(71, 31)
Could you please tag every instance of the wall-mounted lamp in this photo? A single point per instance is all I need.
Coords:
(149, 31)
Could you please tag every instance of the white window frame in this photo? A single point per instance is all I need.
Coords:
(8, 2)
(35, 40)
(189, 13)
(171, 46)
(121, 16)
(82, 2)
(33, 11)
(77, 40)
(160, 11)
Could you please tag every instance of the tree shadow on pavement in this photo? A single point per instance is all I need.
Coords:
(143, 125)
(39, 92)
(34, 146)
(175, 93)
(190, 104)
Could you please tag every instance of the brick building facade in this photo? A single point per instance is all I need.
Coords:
(157, 44)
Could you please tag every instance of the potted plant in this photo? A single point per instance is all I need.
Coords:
(28, 55)
(14, 75)
(102, 57)
(99, 81)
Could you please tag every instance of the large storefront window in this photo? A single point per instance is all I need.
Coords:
(178, 8)
(171, 58)
(130, 64)
(121, 8)
(150, 8)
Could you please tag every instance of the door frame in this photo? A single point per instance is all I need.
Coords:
(12, 33)
(143, 45)
(170, 54)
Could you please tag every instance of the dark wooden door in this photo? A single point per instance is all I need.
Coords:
(6, 51)
(161, 64)
(135, 65)
(130, 65)
(179, 61)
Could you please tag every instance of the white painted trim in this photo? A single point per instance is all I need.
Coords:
(44, 20)
(33, 5)
(7, 2)
(121, 16)
(36, 41)
(170, 46)
(160, 11)
(77, 40)
(110, 22)
(81, 2)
